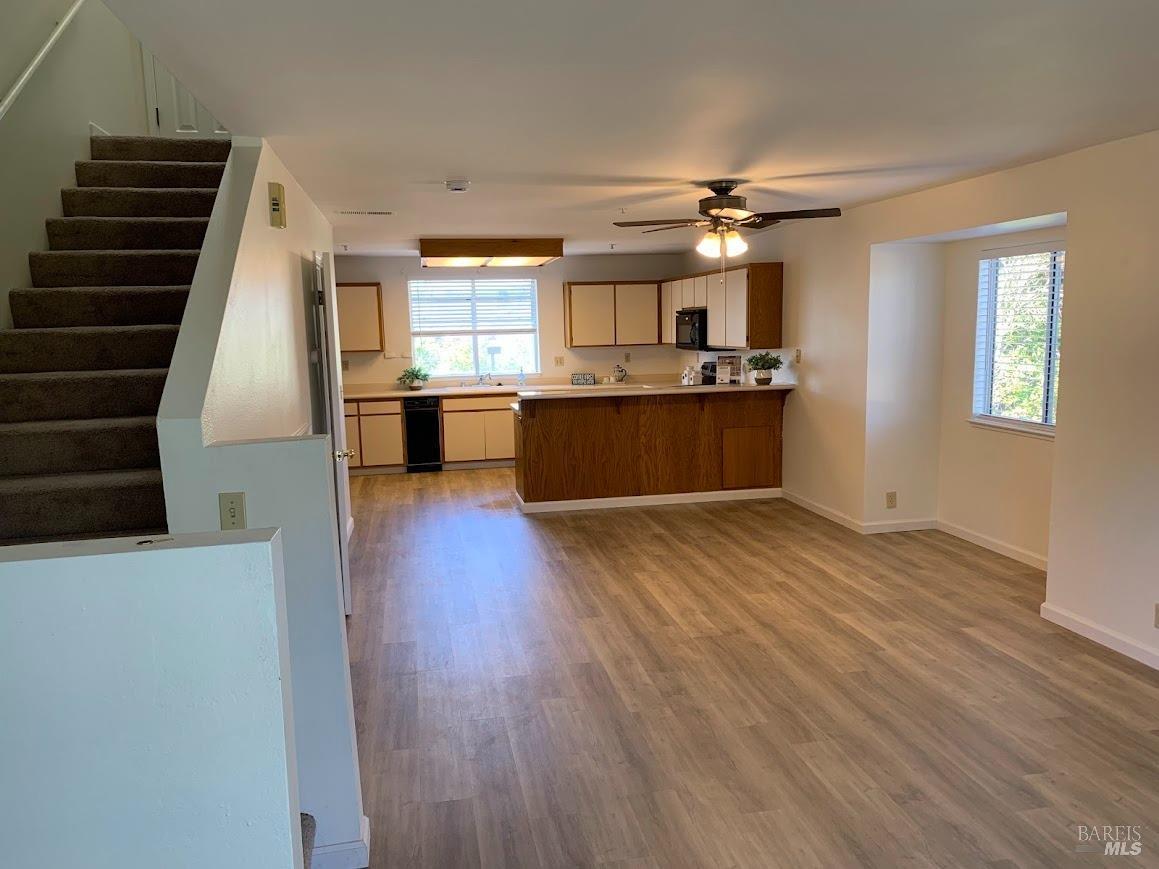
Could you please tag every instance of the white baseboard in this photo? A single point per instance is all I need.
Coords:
(1010, 551)
(1104, 636)
(647, 500)
(890, 526)
(346, 855)
(833, 515)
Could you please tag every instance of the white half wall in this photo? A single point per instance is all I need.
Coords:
(994, 486)
(147, 708)
(91, 75)
(394, 272)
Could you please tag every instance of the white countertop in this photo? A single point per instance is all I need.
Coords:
(621, 390)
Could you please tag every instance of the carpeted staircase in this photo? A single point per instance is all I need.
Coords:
(82, 370)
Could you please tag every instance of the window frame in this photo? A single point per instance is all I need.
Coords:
(475, 332)
(980, 410)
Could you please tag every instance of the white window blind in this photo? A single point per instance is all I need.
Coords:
(1016, 351)
(466, 326)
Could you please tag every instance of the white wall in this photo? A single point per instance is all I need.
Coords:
(250, 383)
(147, 704)
(92, 74)
(260, 386)
(903, 382)
(993, 485)
(394, 272)
(27, 25)
(1102, 578)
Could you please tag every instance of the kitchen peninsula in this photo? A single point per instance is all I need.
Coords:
(640, 444)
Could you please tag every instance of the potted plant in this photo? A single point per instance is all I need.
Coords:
(762, 365)
(413, 377)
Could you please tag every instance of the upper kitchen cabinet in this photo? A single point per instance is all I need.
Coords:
(700, 291)
(637, 314)
(744, 310)
(590, 315)
(610, 315)
(669, 303)
(360, 318)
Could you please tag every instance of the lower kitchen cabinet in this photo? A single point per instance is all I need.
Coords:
(498, 434)
(353, 441)
(464, 436)
(381, 439)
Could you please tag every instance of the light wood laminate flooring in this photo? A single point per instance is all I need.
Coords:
(722, 685)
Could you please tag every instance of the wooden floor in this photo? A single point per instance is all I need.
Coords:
(722, 686)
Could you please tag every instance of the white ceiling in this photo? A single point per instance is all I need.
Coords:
(568, 114)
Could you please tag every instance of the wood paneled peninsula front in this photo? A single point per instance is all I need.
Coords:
(647, 445)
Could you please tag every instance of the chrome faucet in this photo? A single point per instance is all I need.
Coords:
(484, 379)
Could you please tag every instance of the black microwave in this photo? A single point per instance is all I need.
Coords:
(692, 329)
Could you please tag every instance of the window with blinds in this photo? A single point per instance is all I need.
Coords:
(466, 326)
(1016, 353)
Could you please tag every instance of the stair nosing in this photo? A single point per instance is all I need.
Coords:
(94, 422)
(161, 218)
(100, 479)
(107, 251)
(163, 163)
(135, 288)
(103, 189)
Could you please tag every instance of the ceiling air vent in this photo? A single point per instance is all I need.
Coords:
(363, 213)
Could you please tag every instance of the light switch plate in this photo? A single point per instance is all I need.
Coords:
(231, 505)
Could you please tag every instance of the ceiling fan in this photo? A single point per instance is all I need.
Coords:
(725, 212)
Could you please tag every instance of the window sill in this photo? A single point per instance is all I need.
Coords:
(1014, 426)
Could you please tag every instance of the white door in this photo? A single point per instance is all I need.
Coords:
(173, 111)
(330, 378)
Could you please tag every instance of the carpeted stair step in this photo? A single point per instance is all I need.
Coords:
(86, 348)
(137, 201)
(112, 268)
(147, 173)
(155, 148)
(60, 504)
(52, 307)
(64, 446)
(126, 233)
(81, 394)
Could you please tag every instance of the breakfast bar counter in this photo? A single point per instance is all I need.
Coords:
(626, 444)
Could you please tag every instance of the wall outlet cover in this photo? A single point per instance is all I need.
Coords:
(231, 506)
(558, 361)
(891, 500)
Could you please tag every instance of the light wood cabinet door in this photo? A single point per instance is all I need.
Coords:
(464, 436)
(687, 297)
(381, 440)
(717, 316)
(360, 318)
(499, 434)
(353, 442)
(668, 312)
(736, 291)
(700, 291)
(637, 314)
(592, 313)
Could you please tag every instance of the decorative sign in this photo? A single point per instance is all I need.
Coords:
(584, 378)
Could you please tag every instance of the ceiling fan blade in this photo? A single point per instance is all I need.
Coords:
(800, 214)
(680, 221)
(758, 225)
(678, 226)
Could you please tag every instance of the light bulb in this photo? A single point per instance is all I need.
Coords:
(734, 245)
(709, 245)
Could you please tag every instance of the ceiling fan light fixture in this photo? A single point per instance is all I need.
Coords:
(709, 245)
(734, 245)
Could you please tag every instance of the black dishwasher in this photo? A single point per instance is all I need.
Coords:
(424, 450)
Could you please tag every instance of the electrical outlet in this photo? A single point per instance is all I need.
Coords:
(891, 500)
(797, 355)
(559, 362)
(231, 505)
(627, 357)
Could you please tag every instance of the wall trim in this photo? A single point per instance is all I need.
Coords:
(889, 526)
(994, 545)
(833, 515)
(346, 855)
(648, 500)
(1104, 636)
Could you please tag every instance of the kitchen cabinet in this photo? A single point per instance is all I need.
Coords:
(668, 306)
(360, 318)
(353, 441)
(716, 303)
(478, 428)
(381, 439)
(637, 314)
(687, 294)
(591, 315)
(498, 434)
(700, 291)
(464, 437)
(736, 308)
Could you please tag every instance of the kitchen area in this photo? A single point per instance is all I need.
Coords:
(659, 403)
